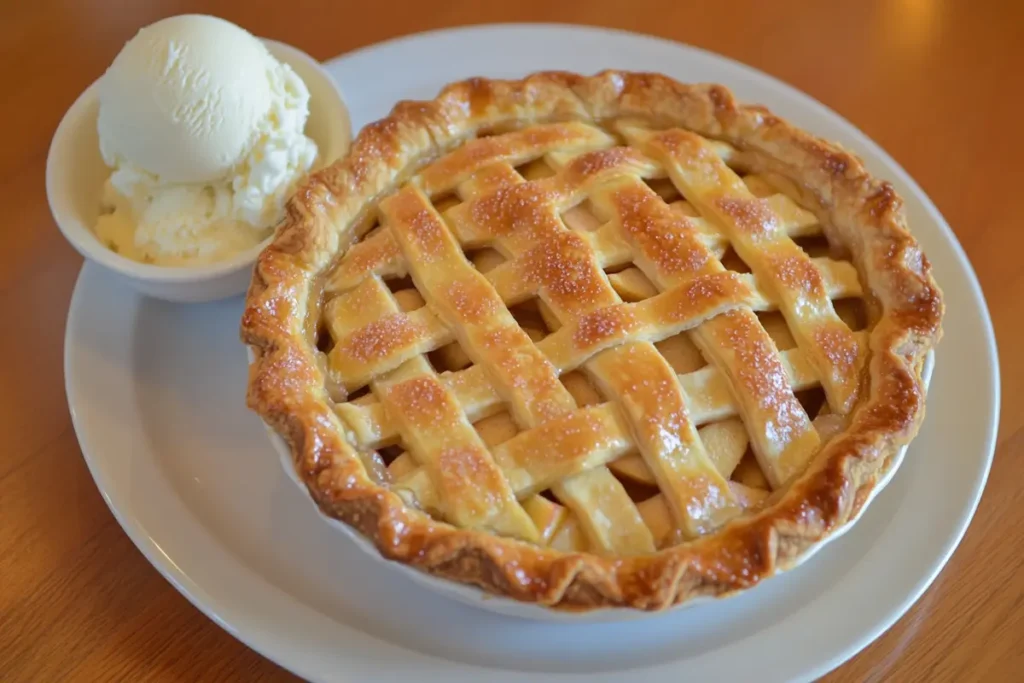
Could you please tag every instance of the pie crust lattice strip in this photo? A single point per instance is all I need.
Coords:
(605, 341)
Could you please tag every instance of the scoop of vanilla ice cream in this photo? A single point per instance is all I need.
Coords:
(203, 130)
(184, 97)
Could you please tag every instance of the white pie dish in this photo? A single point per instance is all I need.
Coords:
(75, 173)
(476, 597)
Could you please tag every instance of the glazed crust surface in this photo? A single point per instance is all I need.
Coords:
(865, 215)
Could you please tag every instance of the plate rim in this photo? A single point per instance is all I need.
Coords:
(212, 608)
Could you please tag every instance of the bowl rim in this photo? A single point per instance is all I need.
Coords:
(84, 240)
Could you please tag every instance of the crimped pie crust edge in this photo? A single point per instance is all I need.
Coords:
(287, 390)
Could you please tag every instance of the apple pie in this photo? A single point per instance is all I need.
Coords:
(608, 341)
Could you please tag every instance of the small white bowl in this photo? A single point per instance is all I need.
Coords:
(75, 173)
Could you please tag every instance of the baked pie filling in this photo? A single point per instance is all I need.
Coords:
(586, 357)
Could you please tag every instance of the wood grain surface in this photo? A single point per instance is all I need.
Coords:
(937, 83)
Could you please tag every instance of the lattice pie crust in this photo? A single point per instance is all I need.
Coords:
(605, 341)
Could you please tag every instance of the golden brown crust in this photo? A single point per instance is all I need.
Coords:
(286, 386)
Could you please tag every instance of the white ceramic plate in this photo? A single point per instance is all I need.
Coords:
(156, 396)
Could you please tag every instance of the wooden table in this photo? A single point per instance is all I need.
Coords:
(931, 81)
